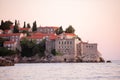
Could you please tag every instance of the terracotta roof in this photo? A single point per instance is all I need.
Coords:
(38, 34)
(69, 34)
(24, 29)
(12, 34)
(9, 42)
(53, 37)
(41, 35)
(6, 30)
(35, 37)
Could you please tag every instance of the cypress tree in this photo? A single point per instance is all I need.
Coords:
(24, 25)
(16, 28)
(34, 28)
(59, 30)
(28, 25)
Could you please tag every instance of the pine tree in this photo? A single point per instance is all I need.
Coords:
(16, 28)
(24, 25)
(28, 25)
(59, 30)
(34, 28)
(70, 29)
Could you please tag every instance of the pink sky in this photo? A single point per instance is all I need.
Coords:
(96, 21)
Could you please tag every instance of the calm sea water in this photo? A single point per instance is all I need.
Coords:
(61, 71)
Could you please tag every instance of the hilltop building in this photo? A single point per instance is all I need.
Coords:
(14, 40)
(47, 29)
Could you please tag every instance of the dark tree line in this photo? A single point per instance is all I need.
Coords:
(5, 52)
(6, 26)
(30, 48)
(70, 29)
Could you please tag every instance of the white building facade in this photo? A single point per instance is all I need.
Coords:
(47, 30)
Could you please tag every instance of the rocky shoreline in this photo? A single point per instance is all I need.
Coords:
(11, 61)
(5, 62)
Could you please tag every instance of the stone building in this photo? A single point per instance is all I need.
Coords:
(88, 52)
(13, 36)
(47, 29)
(67, 47)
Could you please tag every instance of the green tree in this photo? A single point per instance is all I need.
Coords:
(59, 30)
(2, 40)
(16, 27)
(28, 25)
(79, 38)
(55, 53)
(42, 48)
(27, 48)
(34, 28)
(5, 52)
(30, 48)
(5, 25)
(24, 25)
(70, 29)
(26, 32)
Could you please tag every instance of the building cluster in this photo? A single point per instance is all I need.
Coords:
(66, 44)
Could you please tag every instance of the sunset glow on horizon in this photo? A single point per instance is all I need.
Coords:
(95, 21)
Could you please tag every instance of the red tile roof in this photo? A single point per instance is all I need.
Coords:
(38, 34)
(26, 29)
(9, 42)
(6, 30)
(41, 35)
(53, 37)
(70, 34)
(35, 37)
(8, 35)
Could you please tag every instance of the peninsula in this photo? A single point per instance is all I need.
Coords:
(44, 44)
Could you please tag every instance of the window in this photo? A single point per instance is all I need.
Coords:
(87, 46)
(67, 42)
(70, 42)
(59, 42)
(91, 46)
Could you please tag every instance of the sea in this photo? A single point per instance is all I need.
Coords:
(61, 71)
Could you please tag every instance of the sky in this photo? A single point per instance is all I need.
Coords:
(95, 21)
